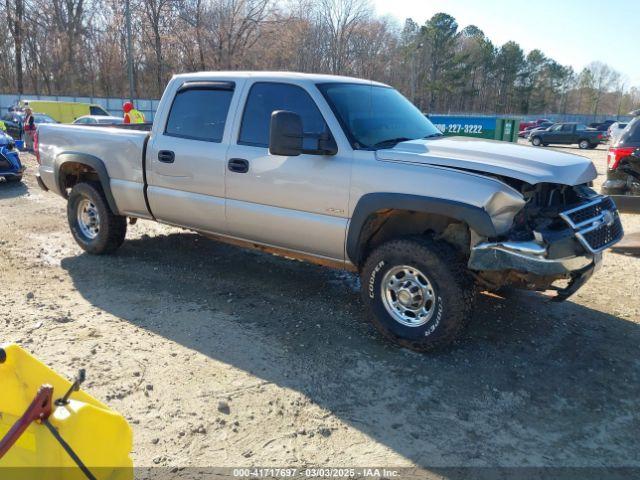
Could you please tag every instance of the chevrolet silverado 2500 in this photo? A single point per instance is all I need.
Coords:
(346, 173)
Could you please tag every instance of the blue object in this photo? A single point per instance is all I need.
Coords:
(20, 144)
(10, 166)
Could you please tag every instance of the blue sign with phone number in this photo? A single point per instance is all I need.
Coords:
(484, 127)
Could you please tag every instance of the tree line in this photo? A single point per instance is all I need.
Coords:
(78, 47)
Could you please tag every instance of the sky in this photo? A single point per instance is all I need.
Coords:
(572, 32)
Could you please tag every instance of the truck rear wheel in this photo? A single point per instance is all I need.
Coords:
(93, 225)
(417, 292)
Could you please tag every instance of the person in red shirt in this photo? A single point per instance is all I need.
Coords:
(131, 115)
(29, 128)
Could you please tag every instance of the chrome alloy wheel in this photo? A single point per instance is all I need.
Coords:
(408, 296)
(88, 218)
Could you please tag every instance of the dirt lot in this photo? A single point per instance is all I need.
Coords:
(219, 356)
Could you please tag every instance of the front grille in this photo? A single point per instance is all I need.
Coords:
(596, 223)
(602, 236)
(584, 214)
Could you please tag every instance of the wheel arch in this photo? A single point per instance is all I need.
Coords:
(442, 211)
(72, 167)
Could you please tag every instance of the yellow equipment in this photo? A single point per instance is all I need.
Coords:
(99, 438)
(63, 112)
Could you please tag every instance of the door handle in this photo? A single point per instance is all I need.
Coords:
(166, 156)
(238, 165)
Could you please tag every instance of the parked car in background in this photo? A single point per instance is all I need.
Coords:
(623, 169)
(13, 124)
(527, 131)
(98, 120)
(10, 166)
(602, 126)
(615, 130)
(14, 120)
(567, 134)
(64, 112)
(39, 118)
(533, 123)
(523, 133)
(538, 129)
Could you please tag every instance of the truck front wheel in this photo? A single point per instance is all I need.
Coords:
(93, 225)
(536, 141)
(584, 144)
(417, 292)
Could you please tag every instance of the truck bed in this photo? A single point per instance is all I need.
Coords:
(120, 149)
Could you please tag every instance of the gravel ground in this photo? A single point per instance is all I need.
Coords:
(220, 356)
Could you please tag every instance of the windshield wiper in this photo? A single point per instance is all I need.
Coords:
(392, 142)
(434, 135)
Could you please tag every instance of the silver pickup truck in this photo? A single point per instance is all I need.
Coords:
(345, 173)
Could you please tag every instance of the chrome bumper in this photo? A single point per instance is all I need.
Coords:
(526, 257)
(529, 257)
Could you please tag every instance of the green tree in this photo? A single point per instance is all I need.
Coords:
(439, 36)
(508, 66)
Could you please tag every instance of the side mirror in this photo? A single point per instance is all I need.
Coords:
(285, 136)
(327, 145)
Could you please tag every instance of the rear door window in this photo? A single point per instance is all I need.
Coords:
(265, 98)
(200, 113)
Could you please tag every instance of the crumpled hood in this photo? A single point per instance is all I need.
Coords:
(529, 164)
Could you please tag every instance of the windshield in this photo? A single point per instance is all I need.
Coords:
(376, 117)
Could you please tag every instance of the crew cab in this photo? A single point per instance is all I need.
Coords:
(345, 173)
(568, 134)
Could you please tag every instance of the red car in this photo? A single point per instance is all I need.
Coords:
(524, 133)
(535, 123)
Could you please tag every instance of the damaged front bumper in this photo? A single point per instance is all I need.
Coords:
(525, 257)
(529, 259)
(595, 225)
